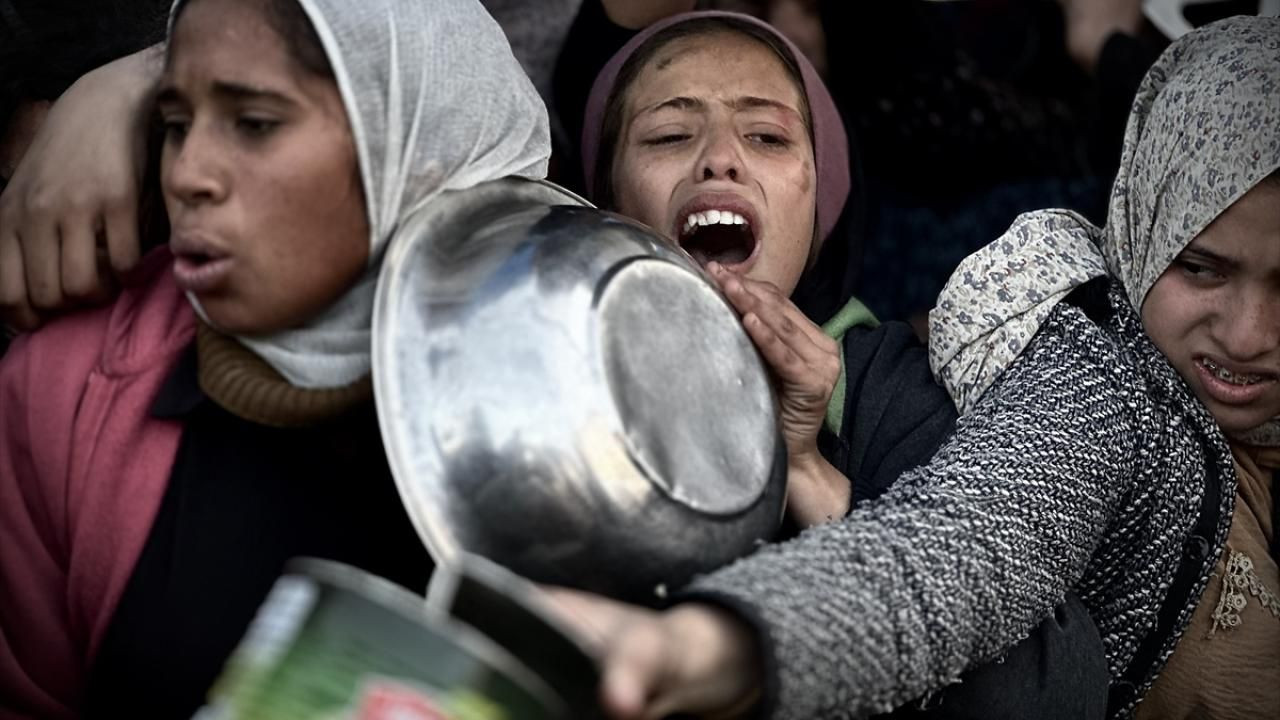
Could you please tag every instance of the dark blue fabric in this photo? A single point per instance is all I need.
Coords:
(895, 416)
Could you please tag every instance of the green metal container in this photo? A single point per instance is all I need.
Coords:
(332, 641)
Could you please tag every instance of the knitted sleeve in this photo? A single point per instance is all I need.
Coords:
(962, 557)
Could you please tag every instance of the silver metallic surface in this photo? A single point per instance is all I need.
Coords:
(520, 617)
(564, 392)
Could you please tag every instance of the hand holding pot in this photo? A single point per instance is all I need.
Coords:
(806, 365)
(693, 658)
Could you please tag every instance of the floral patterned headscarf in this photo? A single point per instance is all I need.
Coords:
(1204, 130)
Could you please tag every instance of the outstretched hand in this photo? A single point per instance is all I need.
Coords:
(694, 659)
(69, 215)
(806, 364)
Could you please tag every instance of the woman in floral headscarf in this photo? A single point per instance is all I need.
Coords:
(1185, 281)
(1119, 390)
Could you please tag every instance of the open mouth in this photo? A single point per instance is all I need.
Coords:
(198, 266)
(195, 259)
(722, 236)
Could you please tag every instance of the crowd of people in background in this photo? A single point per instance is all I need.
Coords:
(960, 116)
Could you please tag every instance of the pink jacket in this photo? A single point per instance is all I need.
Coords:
(83, 467)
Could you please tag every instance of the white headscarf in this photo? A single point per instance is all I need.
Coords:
(1204, 130)
(436, 101)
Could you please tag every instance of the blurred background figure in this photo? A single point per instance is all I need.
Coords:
(971, 113)
(963, 115)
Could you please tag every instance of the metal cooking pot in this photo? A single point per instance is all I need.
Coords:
(563, 391)
(521, 619)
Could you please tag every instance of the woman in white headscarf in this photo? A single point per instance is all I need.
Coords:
(1119, 390)
(162, 457)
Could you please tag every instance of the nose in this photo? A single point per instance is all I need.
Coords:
(194, 168)
(1252, 330)
(721, 156)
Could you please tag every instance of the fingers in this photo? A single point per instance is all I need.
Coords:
(78, 180)
(766, 300)
(685, 660)
(48, 268)
(797, 349)
(785, 360)
(120, 221)
(627, 642)
(593, 619)
(707, 662)
(805, 362)
(51, 266)
(633, 670)
(15, 308)
(38, 239)
(79, 271)
(654, 664)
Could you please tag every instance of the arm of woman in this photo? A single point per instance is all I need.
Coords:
(955, 563)
(958, 560)
(77, 185)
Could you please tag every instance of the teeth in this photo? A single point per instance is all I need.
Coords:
(1226, 375)
(712, 217)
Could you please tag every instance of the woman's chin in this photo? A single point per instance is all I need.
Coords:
(232, 318)
(784, 278)
(1238, 421)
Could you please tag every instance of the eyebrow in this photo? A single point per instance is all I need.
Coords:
(746, 102)
(1222, 260)
(226, 91)
(676, 103)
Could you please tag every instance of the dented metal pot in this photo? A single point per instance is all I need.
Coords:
(563, 391)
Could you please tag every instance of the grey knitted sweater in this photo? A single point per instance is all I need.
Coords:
(1088, 466)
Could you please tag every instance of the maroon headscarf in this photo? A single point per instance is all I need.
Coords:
(830, 145)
